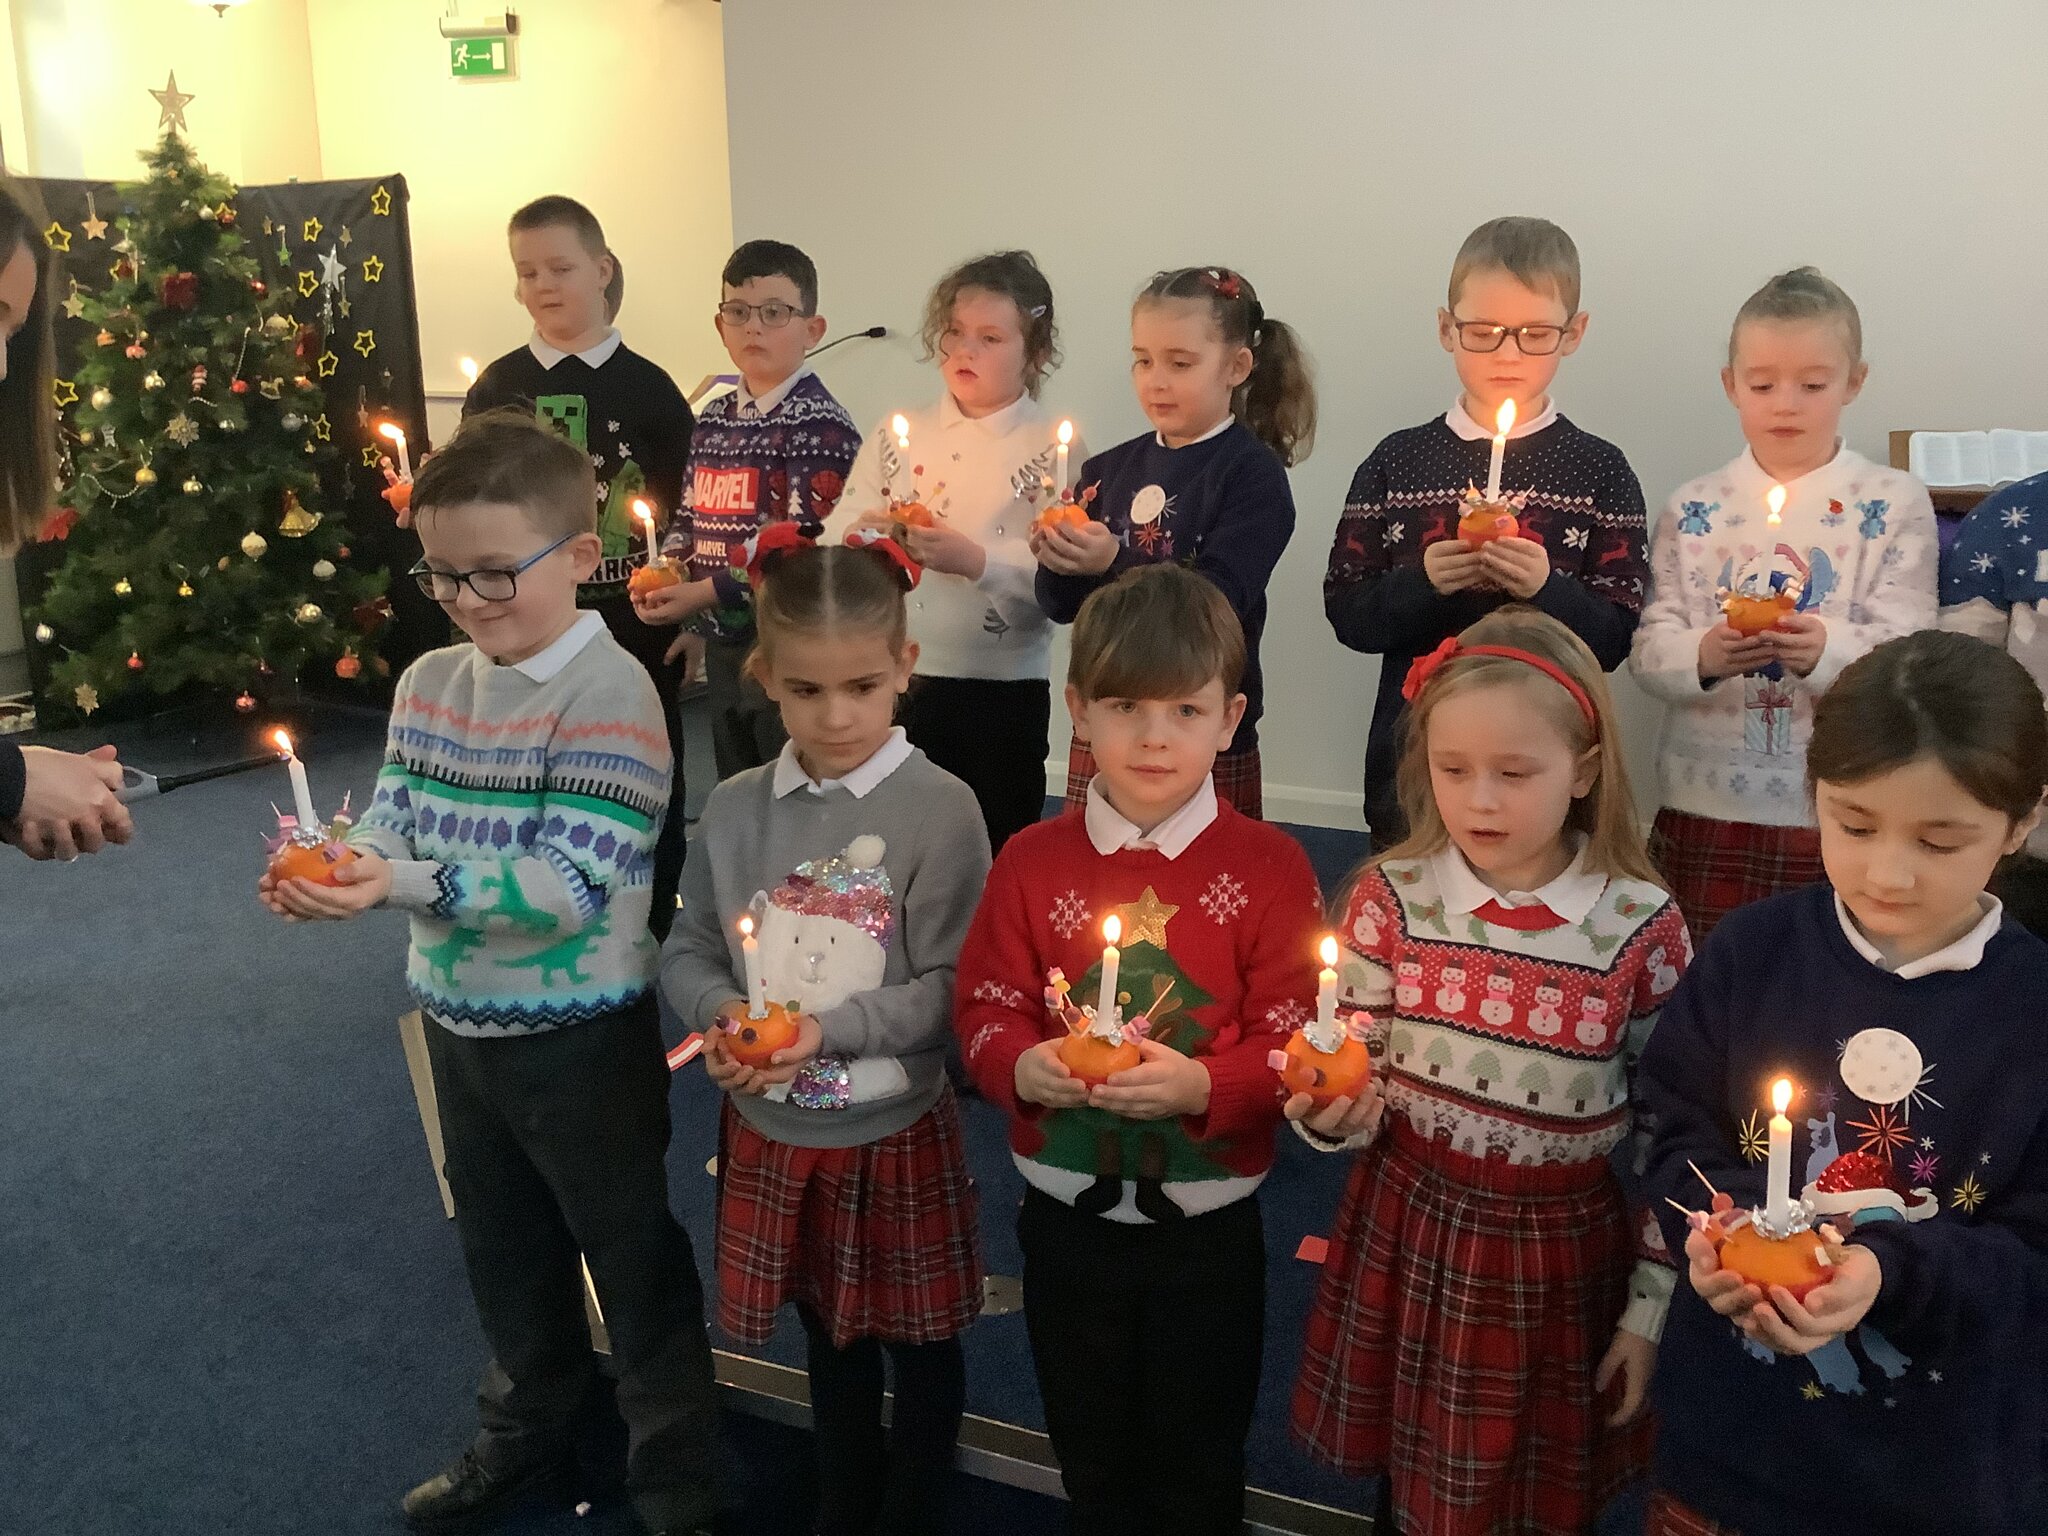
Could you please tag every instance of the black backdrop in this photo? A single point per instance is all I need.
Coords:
(368, 363)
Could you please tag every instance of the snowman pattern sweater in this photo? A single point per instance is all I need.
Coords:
(1921, 1130)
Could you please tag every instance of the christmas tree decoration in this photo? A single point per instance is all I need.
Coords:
(271, 389)
(101, 399)
(134, 661)
(92, 224)
(45, 634)
(349, 667)
(184, 589)
(323, 570)
(145, 476)
(239, 387)
(291, 421)
(182, 430)
(86, 697)
(136, 351)
(245, 703)
(179, 290)
(199, 379)
(152, 380)
(123, 587)
(105, 338)
(254, 544)
(309, 613)
(172, 103)
(297, 522)
(192, 487)
(372, 616)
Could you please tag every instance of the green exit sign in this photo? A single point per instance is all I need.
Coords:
(473, 58)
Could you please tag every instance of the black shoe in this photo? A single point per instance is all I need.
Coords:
(464, 1497)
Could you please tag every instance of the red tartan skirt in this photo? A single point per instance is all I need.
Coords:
(881, 1241)
(1461, 1314)
(1668, 1517)
(1237, 776)
(1713, 867)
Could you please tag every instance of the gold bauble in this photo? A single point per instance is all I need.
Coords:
(145, 476)
(184, 589)
(309, 613)
(152, 380)
(101, 398)
(123, 587)
(254, 545)
(192, 487)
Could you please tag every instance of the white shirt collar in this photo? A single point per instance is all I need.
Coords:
(763, 404)
(1460, 421)
(1111, 831)
(1962, 955)
(888, 757)
(596, 356)
(1820, 474)
(1571, 895)
(544, 664)
(996, 423)
(1218, 430)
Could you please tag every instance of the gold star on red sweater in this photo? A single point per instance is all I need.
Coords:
(1146, 918)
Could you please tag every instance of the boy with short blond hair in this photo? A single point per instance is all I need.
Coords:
(1400, 579)
(515, 818)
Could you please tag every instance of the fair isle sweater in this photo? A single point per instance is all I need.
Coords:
(749, 468)
(1863, 536)
(519, 807)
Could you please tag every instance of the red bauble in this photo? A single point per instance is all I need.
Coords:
(350, 666)
(136, 351)
(245, 703)
(258, 287)
(134, 661)
(180, 290)
(240, 387)
(226, 216)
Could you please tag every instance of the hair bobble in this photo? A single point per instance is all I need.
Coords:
(767, 549)
(1224, 282)
(1423, 668)
(906, 570)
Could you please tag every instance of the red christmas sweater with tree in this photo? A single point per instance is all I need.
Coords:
(1230, 926)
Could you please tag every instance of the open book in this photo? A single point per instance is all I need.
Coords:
(1993, 458)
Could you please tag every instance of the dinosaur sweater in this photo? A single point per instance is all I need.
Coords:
(1219, 946)
(519, 807)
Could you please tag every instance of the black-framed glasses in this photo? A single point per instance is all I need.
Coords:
(773, 312)
(493, 586)
(1485, 336)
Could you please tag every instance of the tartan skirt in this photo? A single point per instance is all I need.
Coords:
(1713, 867)
(880, 1241)
(1237, 776)
(1462, 1311)
(1667, 1517)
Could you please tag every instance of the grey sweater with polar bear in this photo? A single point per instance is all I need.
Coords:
(861, 902)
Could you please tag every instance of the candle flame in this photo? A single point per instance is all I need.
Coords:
(1781, 1095)
(746, 927)
(1066, 433)
(1329, 950)
(1775, 500)
(900, 425)
(1505, 420)
(468, 367)
(392, 430)
(643, 511)
(284, 743)
(1112, 929)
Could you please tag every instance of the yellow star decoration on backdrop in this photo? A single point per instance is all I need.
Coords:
(380, 203)
(323, 428)
(309, 284)
(373, 269)
(312, 230)
(65, 391)
(57, 237)
(326, 365)
(366, 342)
(370, 458)
(1146, 918)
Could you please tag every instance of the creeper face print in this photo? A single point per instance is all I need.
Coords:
(568, 415)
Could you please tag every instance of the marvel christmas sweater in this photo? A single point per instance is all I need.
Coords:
(519, 807)
(1994, 583)
(1508, 1026)
(1584, 506)
(1221, 506)
(622, 410)
(1921, 1119)
(1218, 946)
(750, 467)
(1858, 539)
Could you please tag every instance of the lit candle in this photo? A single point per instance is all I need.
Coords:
(750, 957)
(1775, 500)
(900, 425)
(392, 430)
(469, 370)
(1505, 423)
(1066, 435)
(645, 512)
(1105, 999)
(1778, 1188)
(1326, 985)
(302, 792)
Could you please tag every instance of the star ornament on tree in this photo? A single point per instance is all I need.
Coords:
(172, 103)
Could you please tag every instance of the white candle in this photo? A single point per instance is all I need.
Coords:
(1326, 985)
(900, 425)
(302, 792)
(1775, 500)
(750, 957)
(645, 513)
(1504, 423)
(1105, 998)
(1778, 1187)
(392, 430)
(1060, 475)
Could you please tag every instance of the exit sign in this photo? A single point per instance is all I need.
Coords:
(472, 58)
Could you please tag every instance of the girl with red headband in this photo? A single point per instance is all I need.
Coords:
(1479, 1341)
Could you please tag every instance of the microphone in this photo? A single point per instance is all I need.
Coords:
(872, 333)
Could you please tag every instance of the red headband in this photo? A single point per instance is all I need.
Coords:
(786, 537)
(1425, 667)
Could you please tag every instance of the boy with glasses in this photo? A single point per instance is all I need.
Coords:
(1401, 580)
(515, 820)
(777, 447)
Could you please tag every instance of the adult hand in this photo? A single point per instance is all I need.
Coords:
(1067, 550)
(1164, 1083)
(68, 804)
(1042, 1078)
(1518, 566)
(1726, 652)
(942, 547)
(1796, 642)
(1452, 565)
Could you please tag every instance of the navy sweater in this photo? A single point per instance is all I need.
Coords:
(1221, 507)
(1585, 506)
(1929, 1419)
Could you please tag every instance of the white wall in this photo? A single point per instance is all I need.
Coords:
(1338, 151)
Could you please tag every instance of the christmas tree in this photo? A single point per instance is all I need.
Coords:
(197, 561)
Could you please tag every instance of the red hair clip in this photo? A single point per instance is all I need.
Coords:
(909, 571)
(1225, 282)
(1423, 668)
(770, 546)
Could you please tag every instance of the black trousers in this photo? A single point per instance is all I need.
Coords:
(554, 1145)
(1148, 1341)
(648, 644)
(746, 725)
(990, 735)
